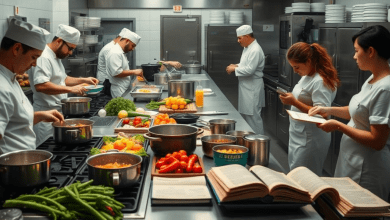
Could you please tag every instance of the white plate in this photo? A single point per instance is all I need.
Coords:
(300, 4)
(93, 93)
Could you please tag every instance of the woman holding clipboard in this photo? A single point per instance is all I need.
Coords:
(365, 146)
(308, 145)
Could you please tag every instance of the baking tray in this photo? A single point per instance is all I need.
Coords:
(119, 127)
(156, 92)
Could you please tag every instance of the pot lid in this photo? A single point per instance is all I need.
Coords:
(184, 116)
(256, 137)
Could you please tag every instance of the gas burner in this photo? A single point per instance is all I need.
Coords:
(67, 162)
(52, 146)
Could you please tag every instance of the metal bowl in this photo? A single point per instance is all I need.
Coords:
(207, 144)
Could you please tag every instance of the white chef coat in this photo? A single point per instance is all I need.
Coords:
(16, 115)
(102, 69)
(367, 167)
(49, 69)
(251, 95)
(308, 144)
(116, 63)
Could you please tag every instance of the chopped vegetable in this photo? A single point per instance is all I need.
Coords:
(107, 139)
(117, 104)
(95, 151)
(139, 137)
(141, 153)
(113, 165)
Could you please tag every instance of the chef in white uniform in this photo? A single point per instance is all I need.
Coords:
(118, 69)
(251, 97)
(49, 81)
(308, 145)
(21, 46)
(102, 67)
(365, 146)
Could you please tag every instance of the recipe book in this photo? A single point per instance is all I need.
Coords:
(180, 191)
(305, 117)
(234, 182)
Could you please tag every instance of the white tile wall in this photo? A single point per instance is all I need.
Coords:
(350, 3)
(148, 27)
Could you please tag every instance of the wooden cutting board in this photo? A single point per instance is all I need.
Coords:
(190, 108)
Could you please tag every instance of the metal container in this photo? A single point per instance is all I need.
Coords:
(259, 148)
(221, 126)
(155, 92)
(11, 214)
(240, 135)
(192, 68)
(69, 133)
(119, 178)
(162, 79)
(75, 105)
(26, 168)
(207, 144)
(183, 88)
(149, 70)
(170, 138)
(221, 159)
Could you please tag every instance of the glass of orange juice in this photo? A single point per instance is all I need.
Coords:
(199, 95)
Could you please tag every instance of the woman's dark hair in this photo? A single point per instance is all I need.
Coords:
(377, 37)
(301, 52)
(7, 43)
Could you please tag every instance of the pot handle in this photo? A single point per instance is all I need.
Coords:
(115, 179)
(74, 133)
(60, 103)
(205, 123)
(200, 131)
(146, 135)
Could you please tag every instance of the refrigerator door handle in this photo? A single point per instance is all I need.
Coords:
(211, 59)
(166, 55)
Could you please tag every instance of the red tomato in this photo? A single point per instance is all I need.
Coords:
(136, 121)
(197, 169)
(176, 155)
(183, 165)
(168, 155)
(159, 164)
(162, 159)
(182, 152)
(119, 145)
(184, 158)
(179, 170)
(126, 121)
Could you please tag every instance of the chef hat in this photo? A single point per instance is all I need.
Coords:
(26, 33)
(68, 34)
(244, 30)
(135, 38)
(123, 32)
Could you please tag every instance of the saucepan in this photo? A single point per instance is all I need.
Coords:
(75, 105)
(26, 168)
(221, 126)
(73, 131)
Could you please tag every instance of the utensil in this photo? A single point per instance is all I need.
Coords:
(75, 105)
(221, 126)
(170, 138)
(183, 88)
(26, 168)
(211, 113)
(207, 144)
(69, 133)
(259, 148)
(239, 135)
(118, 178)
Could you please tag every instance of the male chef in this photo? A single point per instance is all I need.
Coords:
(118, 70)
(21, 46)
(49, 81)
(249, 71)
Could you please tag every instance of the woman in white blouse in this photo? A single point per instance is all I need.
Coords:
(308, 145)
(364, 148)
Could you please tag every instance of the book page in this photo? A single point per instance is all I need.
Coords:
(196, 180)
(312, 183)
(356, 195)
(305, 117)
(235, 176)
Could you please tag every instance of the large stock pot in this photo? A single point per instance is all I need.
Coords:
(73, 131)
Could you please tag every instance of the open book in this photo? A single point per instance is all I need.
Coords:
(184, 190)
(234, 182)
(305, 117)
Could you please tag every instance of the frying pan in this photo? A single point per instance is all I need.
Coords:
(185, 118)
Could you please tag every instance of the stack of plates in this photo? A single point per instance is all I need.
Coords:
(236, 17)
(375, 12)
(335, 14)
(94, 22)
(287, 10)
(91, 39)
(357, 13)
(81, 22)
(217, 17)
(301, 7)
(317, 7)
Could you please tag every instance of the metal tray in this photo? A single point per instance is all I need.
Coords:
(155, 93)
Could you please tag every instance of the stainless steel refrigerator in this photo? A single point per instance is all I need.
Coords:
(222, 50)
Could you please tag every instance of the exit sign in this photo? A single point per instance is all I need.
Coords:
(177, 8)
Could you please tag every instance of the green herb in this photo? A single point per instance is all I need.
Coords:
(114, 106)
(154, 105)
(107, 139)
(139, 137)
(94, 151)
(141, 152)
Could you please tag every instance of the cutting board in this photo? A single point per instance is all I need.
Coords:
(176, 175)
(190, 108)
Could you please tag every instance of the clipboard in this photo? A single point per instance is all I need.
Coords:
(305, 117)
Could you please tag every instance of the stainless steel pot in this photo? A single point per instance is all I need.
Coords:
(183, 88)
(75, 105)
(207, 144)
(240, 135)
(259, 148)
(170, 138)
(162, 79)
(27, 168)
(119, 178)
(221, 126)
(192, 68)
(69, 133)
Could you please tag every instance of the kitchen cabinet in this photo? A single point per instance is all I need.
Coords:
(269, 112)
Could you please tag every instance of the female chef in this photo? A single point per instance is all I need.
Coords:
(308, 145)
(364, 149)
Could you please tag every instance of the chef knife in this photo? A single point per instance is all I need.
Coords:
(211, 113)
